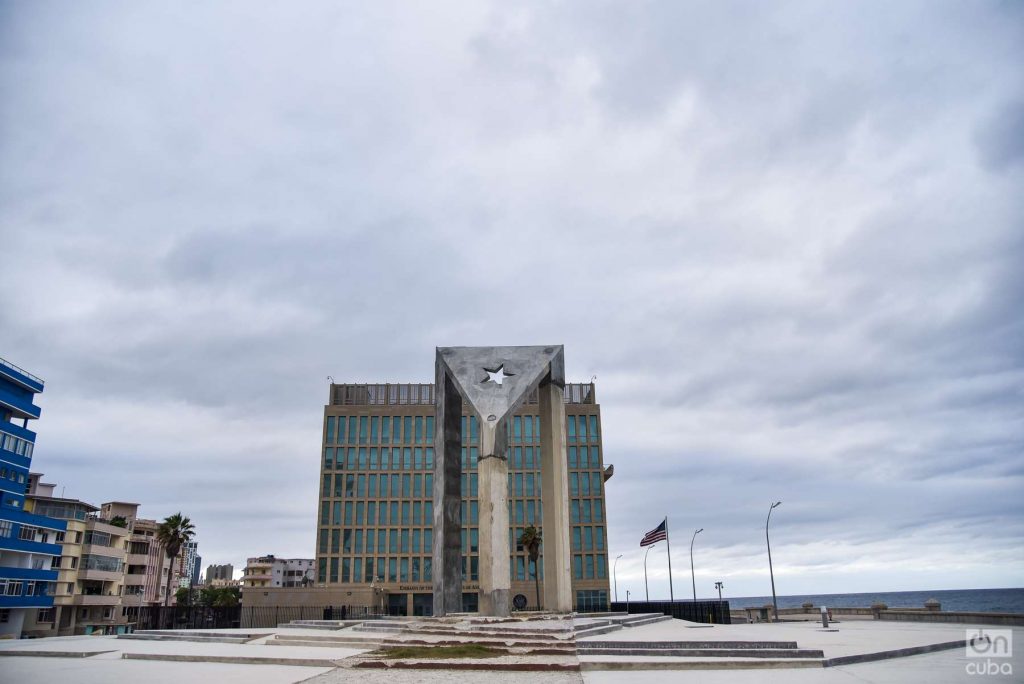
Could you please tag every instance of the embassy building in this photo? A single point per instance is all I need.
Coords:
(375, 521)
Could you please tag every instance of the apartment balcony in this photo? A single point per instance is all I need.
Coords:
(262, 575)
(95, 600)
(27, 546)
(100, 550)
(102, 575)
(29, 601)
(137, 559)
(21, 406)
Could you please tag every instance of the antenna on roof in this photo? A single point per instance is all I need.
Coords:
(331, 378)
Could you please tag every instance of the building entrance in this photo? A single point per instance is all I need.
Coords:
(423, 604)
(398, 604)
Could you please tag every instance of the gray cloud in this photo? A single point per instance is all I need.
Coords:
(786, 239)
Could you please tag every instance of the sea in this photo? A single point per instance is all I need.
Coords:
(978, 600)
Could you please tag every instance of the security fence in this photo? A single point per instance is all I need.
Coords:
(713, 612)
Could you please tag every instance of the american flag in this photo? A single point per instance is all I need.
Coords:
(656, 535)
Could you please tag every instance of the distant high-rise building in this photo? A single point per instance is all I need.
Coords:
(196, 567)
(220, 573)
(187, 564)
(29, 542)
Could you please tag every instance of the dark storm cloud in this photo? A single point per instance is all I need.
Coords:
(787, 240)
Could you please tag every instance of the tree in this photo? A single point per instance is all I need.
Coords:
(219, 596)
(173, 533)
(531, 540)
(182, 596)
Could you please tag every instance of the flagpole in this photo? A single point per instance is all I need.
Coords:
(668, 544)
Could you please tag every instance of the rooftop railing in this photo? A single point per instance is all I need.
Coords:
(19, 369)
(407, 394)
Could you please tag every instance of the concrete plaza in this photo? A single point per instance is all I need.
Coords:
(261, 657)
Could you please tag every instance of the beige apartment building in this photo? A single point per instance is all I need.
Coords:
(374, 534)
(103, 575)
(146, 567)
(90, 580)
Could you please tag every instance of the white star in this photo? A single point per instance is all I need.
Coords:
(497, 376)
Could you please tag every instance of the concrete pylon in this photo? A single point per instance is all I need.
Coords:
(495, 381)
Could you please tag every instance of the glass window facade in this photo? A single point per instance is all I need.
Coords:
(377, 502)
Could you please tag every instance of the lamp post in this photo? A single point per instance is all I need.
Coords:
(775, 603)
(646, 592)
(615, 576)
(721, 613)
(692, 577)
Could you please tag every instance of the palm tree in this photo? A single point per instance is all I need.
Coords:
(531, 540)
(173, 533)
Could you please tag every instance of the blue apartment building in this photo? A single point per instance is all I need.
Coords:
(29, 544)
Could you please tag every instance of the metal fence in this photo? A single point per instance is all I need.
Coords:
(713, 612)
(206, 617)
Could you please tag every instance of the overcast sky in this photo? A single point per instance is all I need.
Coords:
(788, 238)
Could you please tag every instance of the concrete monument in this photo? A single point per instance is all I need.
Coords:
(495, 381)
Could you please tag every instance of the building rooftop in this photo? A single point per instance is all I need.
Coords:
(405, 394)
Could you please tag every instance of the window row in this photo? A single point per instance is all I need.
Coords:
(371, 513)
(372, 458)
(405, 540)
(589, 566)
(374, 569)
(376, 541)
(422, 458)
(383, 487)
(418, 486)
(419, 569)
(12, 475)
(379, 430)
(420, 430)
(17, 587)
(20, 446)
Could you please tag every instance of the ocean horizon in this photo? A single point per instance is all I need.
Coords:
(977, 600)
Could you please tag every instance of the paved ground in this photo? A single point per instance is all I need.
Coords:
(932, 668)
(852, 638)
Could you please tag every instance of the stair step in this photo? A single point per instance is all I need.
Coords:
(654, 645)
(707, 652)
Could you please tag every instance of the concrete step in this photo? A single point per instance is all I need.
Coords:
(340, 641)
(191, 635)
(650, 620)
(597, 631)
(747, 645)
(698, 664)
(708, 652)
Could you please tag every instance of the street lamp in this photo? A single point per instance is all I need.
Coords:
(721, 614)
(692, 578)
(775, 603)
(646, 592)
(615, 576)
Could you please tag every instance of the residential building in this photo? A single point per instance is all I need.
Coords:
(91, 577)
(375, 519)
(147, 568)
(269, 571)
(197, 567)
(29, 542)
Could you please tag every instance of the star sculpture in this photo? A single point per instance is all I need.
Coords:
(497, 375)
